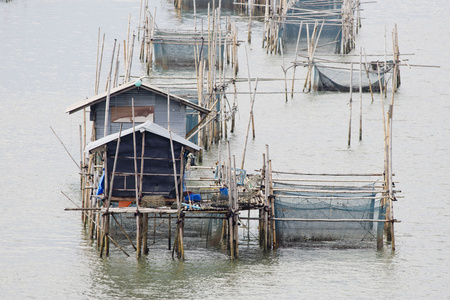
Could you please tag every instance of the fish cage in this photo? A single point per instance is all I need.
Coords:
(336, 78)
(344, 209)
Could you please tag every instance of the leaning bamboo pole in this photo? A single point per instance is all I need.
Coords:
(98, 226)
(179, 239)
(250, 91)
(248, 125)
(138, 213)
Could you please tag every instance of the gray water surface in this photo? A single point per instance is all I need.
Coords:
(47, 62)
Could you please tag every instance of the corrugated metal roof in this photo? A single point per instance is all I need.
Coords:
(147, 126)
(126, 87)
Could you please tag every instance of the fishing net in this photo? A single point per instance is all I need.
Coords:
(337, 79)
(342, 205)
(172, 49)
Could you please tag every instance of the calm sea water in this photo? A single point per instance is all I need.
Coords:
(47, 62)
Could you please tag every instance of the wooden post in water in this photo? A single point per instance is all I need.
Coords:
(360, 94)
(261, 210)
(390, 120)
(250, 11)
(285, 72)
(105, 217)
(169, 239)
(295, 59)
(235, 211)
(350, 105)
(145, 233)
(230, 204)
(266, 202)
(272, 208)
(137, 214)
(180, 222)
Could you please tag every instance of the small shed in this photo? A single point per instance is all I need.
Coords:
(150, 104)
(149, 160)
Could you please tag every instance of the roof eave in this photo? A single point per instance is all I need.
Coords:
(126, 87)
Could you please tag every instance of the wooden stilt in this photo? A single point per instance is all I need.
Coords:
(169, 239)
(145, 233)
(272, 208)
(138, 234)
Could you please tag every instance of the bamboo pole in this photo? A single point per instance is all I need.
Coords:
(248, 125)
(98, 226)
(99, 63)
(123, 230)
(87, 195)
(137, 214)
(350, 106)
(284, 71)
(360, 94)
(309, 57)
(230, 205)
(295, 59)
(368, 77)
(145, 233)
(266, 202)
(261, 210)
(105, 129)
(169, 239)
(250, 90)
(179, 240)
(272, 209)
(249, 37)
(67, 151)
(266, 23)
(235, 211)
(116, 70)
(130, 60)
(391, 195)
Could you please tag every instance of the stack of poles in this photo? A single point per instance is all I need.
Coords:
(312, 41)
(348, 27)
(148, 32)
(276, 17)
(210, 69)
(215, 77)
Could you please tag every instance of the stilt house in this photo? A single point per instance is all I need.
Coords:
(110, 109)
(142, 160)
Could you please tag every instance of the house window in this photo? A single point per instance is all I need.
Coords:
(124, 114)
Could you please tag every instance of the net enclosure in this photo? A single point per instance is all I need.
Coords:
(328, 208)
(339, 79)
